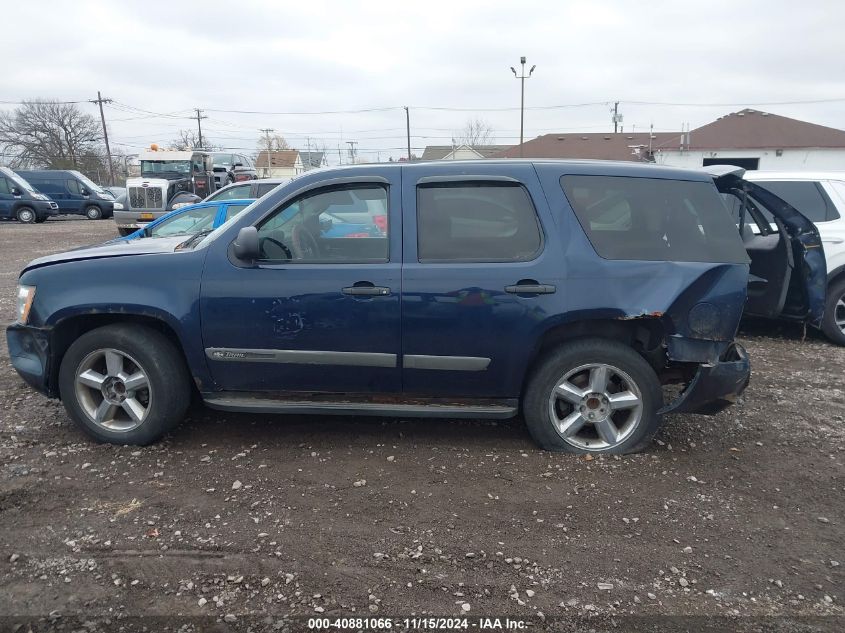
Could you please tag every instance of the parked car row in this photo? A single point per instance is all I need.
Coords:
(35, 195)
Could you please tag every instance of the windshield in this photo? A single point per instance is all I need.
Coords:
(88, 183)
(155, 167)
(222, 160)
(20, 182)
(186, 223)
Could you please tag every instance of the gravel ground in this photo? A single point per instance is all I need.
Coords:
(236, 522)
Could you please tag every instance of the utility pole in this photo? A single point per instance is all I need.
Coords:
(267, 131)
(617, 118)
(100, 101)
(522, 77)
(408, 130)
(308, 153)
(199, 119)
(352, 145)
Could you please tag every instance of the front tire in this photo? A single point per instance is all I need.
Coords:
(93, 212)
(833, 323)
(124, 385)
(26, 215)
(593, 396)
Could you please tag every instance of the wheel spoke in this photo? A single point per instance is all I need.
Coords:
(114, 363)
(623, 400)
(571, 424)
(607, 431)
(598, 379)
(136, 381)
(91, 378)
(104, 412)
(134, 408)
(569, 392)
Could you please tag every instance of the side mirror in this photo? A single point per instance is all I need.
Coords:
(84, 191)
(246, 246)
(16, 191)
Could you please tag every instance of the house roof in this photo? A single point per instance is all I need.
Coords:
(312, 157)
(601, 146)
(437, 152)
(280, 158)
(753, 129)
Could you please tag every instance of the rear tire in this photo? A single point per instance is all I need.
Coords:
(124, 384)
(833, 323)
(593, 396)
(26, 215)
(93, 212)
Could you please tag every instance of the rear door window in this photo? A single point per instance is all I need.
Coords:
(806, 196)
(232, 193)
(654, 219)
(476, 222)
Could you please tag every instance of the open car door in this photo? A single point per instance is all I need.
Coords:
(788, 276)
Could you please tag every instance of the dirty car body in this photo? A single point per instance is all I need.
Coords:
(526, 271)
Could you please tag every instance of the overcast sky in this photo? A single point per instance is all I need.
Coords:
(312, 56)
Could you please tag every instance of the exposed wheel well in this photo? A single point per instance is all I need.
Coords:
(643, 334)
(68, 330)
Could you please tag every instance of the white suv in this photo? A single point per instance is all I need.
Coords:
(820, 196)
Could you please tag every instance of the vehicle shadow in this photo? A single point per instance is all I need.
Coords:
(203, 423)
(787, 330)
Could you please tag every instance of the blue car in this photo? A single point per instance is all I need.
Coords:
(569, 291)
(195, 218)
(206, 216)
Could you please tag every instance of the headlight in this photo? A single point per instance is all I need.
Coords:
(25, 296)
(118, 206)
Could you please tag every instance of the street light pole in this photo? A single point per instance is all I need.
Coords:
(522, 77)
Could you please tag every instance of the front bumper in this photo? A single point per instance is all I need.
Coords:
(29, 350)
(137, 218)
(46, 208)
(715, 386)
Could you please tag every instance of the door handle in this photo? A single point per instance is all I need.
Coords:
(370, 291)
(531, 289)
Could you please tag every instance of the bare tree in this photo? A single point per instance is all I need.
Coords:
(189, 139)
(51, 134)
(475, 132)
(272, 143)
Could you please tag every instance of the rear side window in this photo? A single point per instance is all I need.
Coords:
(654, 219)
(468, 222)
(807, 197)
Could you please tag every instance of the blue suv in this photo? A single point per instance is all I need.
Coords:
(571, 292)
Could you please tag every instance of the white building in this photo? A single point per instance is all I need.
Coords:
(756, 140)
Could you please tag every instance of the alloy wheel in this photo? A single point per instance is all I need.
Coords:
(595, 407)
(113, 390)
